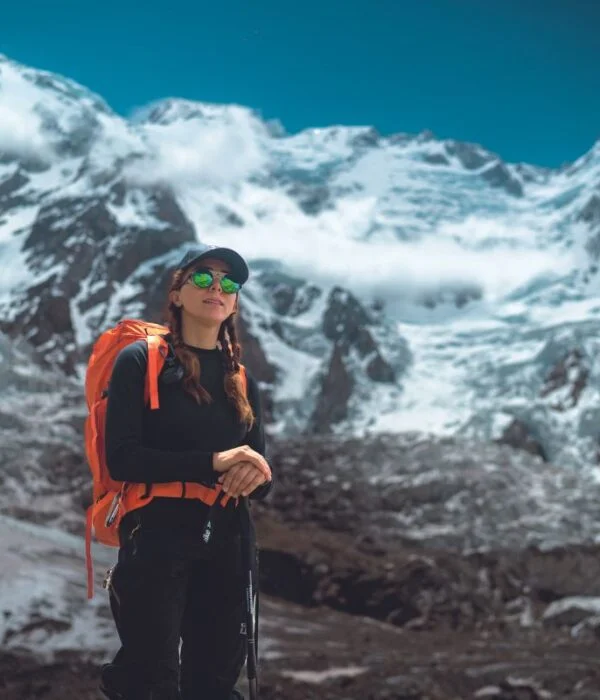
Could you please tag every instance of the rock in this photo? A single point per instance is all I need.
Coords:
(9, 190)
(567, 380)
(346, 322)
(499, 175)
(560, 572)
(470, 155)
(334, 393)
(436, 159)
(571, 611)
(367, 138)
(288, 295)
(588, 626)
(379, 370)
(518, 435)
(590, 214)
(230, 217)
(312, 199)
(254, 355)
(514, 689)
(344, 317)
(459, 296)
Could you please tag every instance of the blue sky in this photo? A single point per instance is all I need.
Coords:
(518, 76)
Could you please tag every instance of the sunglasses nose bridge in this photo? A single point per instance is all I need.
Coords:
(217, 284)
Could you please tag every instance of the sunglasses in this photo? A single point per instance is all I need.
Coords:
(204, 278)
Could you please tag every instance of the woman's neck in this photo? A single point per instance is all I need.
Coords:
(198, 336)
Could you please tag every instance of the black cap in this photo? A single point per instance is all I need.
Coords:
(239, 268)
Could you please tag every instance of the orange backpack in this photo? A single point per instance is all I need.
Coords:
(106, 492)
(112, 499)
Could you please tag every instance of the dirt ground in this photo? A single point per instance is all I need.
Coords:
(321, 654)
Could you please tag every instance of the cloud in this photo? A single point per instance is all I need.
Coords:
(196, 152)
(410, 269)
(329, 249)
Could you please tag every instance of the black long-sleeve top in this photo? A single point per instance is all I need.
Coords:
(176, 442)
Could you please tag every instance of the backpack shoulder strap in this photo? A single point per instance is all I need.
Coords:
(157, 351)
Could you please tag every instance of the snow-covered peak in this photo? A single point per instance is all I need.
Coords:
(587, 166)
(45, 117)
(335, 141)
(47, 85)
(172, 110)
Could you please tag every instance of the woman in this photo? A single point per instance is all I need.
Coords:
(177, 591)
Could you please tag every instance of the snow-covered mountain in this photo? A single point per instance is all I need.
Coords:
(399, 282)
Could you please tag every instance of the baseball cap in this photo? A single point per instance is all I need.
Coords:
(239, 268)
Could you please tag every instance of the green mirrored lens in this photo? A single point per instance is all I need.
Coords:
(202, 279)
(229, 286)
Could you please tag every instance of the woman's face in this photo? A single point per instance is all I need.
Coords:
(209, 305)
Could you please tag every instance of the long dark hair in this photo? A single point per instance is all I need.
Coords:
(230, 354)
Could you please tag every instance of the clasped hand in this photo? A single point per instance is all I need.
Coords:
(242, 470)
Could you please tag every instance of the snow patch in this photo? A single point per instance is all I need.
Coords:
(326, 675)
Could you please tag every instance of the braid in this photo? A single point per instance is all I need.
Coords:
(226, 354)
(234, 388)
(235, 347)
(188, 359)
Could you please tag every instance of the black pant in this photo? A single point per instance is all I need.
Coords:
(180, 618)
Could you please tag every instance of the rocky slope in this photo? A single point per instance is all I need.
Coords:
(454, 570)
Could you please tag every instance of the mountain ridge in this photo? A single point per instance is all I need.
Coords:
(432, 256)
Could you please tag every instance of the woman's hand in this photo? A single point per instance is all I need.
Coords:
(241, 479)
(224, 461)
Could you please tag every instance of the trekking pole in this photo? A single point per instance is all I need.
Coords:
(247, 559)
